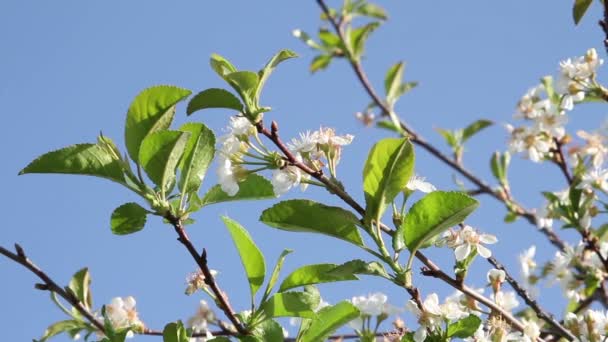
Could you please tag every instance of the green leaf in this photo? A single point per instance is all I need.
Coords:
(152, 110)
(268, 330)
(197, 156)
(60, 327)
(392, 82)
(388, 125)
(128, 218)
(275, 272)
(221, 65)
(254, 187)
(245, 83)
(465, 327)
(474, 128)
(279, 57)
(80, 284)
(359, 36)
(358, 266)
(159, 155)
(290, 304)
(81, 159)
(214, 98)
(579, 9)
(450, 137)
(175, 332)
(313, 274)
(499, 165)
(330, 40)
(405, 87)
(388, 168)
(305, 37)
(433, 214)
(251, 257)
(309, 216)
(372, 11)
(320, 62)
(329, 319)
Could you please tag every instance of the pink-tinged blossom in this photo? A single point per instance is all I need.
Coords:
(122, 314)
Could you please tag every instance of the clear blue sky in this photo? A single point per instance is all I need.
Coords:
(69, 69)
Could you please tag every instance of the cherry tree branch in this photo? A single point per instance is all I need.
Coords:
(50, 285)
(433, 269)
(420, 141)
(201, 261)
(547, 317)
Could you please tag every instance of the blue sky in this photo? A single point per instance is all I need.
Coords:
(69, 69)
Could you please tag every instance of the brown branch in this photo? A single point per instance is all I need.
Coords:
(604, 24)
(201, 261)
(50, 285)
(420, 141)
(547, 317)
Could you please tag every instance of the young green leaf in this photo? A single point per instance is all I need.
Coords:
(309, 216)
(159, 155)
(268, 330)
(579, 9)
(60, 327)
(128, 218)
(275, 273)
(320, 62)
(330, 40)
(371, 10)
(359, 36)
(358, 266)
(81, 159)
(279, 57)
(451, 138)
(80, 284)
(433, 214)
(474, 128)
(175, 332)
(392, 83)
(313, 274)
(152, 110)
(214, 98)
(387, 170)
(221, 65)
(254, 187)
(245, 84)
(290, 304)
(305, 37)
(329, 319)
(499, 165)
(251, 257)
(197, 156)
(465, 327)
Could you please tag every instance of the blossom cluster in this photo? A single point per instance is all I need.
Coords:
(241, 147)
(545, 107)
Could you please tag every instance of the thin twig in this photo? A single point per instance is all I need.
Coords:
(547, 317)
(201, 261)
(51, 285)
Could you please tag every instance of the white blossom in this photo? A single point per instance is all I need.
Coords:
(122, 314)
(196, 281)
(526, 262)
(373, 305)
(199, 322)
(418, 183)
(530, 141)
(594, 178)
(496, 277)
(226, 176)
(594, 147)
(506, 300)
(433, 314)
(470, 240)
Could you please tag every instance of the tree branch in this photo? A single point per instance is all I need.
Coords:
(201, 261)
(547, 317)
(420, 141)
(50, 285)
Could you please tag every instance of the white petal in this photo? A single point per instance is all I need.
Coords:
(462, 251)
(483, 251)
